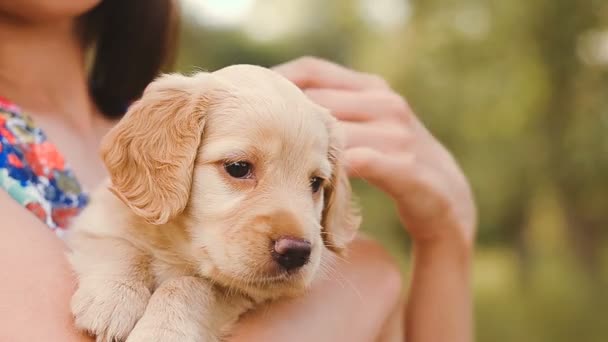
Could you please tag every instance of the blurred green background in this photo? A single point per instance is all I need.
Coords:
(517, 89)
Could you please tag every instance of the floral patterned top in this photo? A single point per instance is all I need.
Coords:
(34, 173)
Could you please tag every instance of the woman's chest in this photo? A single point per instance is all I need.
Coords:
(78, 151)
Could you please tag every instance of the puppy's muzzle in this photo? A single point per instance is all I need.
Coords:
(291, 253)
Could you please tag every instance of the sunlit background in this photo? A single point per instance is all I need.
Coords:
(517, 89)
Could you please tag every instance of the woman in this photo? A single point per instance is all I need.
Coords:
(43, 56)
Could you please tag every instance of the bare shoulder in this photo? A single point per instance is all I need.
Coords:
(36, 279)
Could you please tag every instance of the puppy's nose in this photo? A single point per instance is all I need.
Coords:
(291, 253)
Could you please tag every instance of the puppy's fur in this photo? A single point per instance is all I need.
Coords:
(173, 248)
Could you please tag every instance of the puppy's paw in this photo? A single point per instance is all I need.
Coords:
(109, 309)
(159, 327)
(163, 334)
(153, 328)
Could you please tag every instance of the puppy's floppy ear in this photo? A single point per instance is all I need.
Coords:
(150, 153)
(340, 219)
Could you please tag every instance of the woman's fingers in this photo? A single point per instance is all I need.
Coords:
(344, 105)
(382, 136)
(373, 166)
(311, 72)
(361, 105)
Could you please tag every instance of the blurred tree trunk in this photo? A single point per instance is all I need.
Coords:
(559, 27)
(516, 220)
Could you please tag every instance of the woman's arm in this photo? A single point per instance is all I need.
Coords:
(36, 282)
(439, 305)
(388, 146)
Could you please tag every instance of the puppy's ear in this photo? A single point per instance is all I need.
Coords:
(341, 218)
(150, 153)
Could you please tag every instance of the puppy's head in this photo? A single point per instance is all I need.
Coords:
(246, 165)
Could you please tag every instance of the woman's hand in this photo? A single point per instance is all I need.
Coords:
(387, 145)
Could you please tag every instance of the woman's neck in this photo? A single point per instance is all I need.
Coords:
(42, 69)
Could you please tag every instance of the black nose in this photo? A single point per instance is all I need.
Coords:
(291, 253)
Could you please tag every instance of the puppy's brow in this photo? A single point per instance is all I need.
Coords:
(236, 155)
(229, 150)
(325, 169)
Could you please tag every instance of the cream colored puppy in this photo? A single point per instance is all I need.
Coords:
(226, 191)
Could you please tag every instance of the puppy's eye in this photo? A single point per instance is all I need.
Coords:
(315, 184)
(238, 169)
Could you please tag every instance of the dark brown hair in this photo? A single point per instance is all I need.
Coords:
(131, 41)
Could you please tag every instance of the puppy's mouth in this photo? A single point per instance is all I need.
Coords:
(268, 280)
(272, 277)
(287, 265)
(277, 274)
(262, 280)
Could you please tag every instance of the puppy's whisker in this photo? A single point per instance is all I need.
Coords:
(327, 270)
(341, 258)
(231, 288)
(338, 256)
(330, 269)
(323, 271)
(341, 278)
(330, 266)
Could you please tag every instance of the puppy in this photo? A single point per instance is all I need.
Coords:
(225, 191)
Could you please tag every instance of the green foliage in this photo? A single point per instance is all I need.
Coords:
(517, 90)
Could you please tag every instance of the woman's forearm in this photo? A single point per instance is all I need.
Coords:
(439, 304)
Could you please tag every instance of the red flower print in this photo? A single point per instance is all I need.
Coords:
(62, 216)
(37, 210)
(13, 160)
(4, 102)
(7, 134)
(44, 157)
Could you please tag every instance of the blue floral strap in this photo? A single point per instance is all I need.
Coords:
(34, 173)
